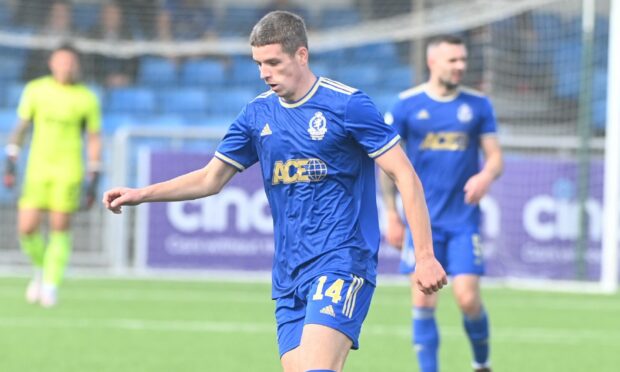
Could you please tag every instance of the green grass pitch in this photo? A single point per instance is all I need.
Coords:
(183, 326)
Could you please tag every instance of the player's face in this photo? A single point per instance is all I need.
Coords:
(65, 66)
(447, 63)
(281, 71)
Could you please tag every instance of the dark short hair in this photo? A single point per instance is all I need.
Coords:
(280, 27)
(448, 39)
(66, 47)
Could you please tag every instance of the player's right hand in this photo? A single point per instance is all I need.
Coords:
(8, 178)
(115, 198)
(395, 230)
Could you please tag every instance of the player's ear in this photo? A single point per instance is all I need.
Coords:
(302, 55)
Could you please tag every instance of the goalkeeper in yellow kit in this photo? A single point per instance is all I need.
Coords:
(63, 113)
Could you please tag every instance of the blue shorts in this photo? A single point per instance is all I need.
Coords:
(336, 300)
(458, 250)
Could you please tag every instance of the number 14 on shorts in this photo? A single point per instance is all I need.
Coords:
(330, 287)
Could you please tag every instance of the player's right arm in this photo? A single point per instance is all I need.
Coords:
(197, 184)
(12, 151)
(25, 113)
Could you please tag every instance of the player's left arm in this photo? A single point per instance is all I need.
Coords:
(380, 141)
(94, 144)
(430, 276)
(478, 185)
(93, 166)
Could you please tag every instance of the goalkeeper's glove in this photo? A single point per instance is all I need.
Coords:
(91, 188)
(10, 166)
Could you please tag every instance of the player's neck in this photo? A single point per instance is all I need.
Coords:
(64, 82)
(437, 89)
(306, 82)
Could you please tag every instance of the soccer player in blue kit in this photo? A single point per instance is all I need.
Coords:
(317, 142)
(443, 127)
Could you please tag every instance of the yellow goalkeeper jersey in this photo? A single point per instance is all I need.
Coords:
(60, 114)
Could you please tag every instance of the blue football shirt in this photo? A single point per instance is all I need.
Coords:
(316, 157)
(442, 139)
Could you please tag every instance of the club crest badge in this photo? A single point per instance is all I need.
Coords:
(317, 127)
(464, 113)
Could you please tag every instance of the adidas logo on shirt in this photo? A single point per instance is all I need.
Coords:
(422, 114)
(329, 310)
(266, 130)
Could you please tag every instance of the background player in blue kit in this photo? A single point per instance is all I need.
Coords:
(444, 126)
(316, 140)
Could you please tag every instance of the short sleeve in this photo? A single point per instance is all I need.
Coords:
(396, 117)
(93, 114)
(489, 123)
(364, 122)
(237, 148)
(25, 110)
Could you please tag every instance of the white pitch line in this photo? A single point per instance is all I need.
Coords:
(252, 297)
(503, 335)
(131, 295)
(140, 325)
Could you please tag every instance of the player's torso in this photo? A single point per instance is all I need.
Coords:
(310, 164)
(303, 145)
(313, 172)
(59, 114)
(443, 144)
(443, 138)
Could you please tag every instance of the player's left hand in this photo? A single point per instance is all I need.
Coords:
(430, 275)
(476, 187)
(8, 178)
(91, 189)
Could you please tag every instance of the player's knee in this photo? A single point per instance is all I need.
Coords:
(469, 303)
(320, 370)
(26, 232)
(27, 226)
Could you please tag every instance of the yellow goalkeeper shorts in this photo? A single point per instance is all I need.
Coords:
(52, 195)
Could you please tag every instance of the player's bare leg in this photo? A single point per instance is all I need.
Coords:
(60, 221)
(28, 221)
(466, 290)
(33, 245)
(321, 347)
(290, 360)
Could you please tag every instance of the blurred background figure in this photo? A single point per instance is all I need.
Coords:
(31, 14)
(59, 21)
(186, 20)
(59, 109)
(283, 5)
(444, 127)
(112, 27)
(141, 15)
